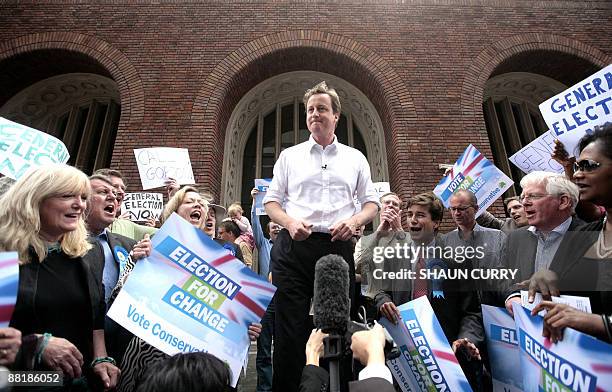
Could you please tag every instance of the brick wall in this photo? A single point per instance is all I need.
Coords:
(181, 67)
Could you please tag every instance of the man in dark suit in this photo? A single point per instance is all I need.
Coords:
(117, 250)
(454, 302)
(549, 201)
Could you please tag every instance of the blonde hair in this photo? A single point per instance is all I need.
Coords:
(175, 202)
(235, 208)
(20, 211)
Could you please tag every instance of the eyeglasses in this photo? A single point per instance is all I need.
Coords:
(533, 197)
(586, 165)
(460, 209)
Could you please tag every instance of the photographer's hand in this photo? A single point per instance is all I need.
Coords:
(314, 347)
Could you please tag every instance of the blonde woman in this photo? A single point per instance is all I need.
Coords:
(60, 307)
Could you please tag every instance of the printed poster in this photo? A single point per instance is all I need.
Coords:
(22, 148)
(9, 285)
(142, 206)
(473, 172)
(502, 345)
(156, 165)
(577, 363)
(192, 295)
(262, 185)
(427, 362)
(576, 111)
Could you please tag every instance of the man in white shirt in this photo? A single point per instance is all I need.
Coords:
(311, 196)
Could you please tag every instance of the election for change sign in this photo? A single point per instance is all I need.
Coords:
(23, 147)
(537, 155)
(473, 172)
(262, 185)
(192, 295)
(9, 284)
(156, 165)
(142, 206)
(502, 345)
(577, 110)
(427, 362)
(577, 363)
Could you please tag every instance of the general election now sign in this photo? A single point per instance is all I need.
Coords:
(22, 148)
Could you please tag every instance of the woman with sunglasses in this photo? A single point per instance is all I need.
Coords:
(593, 175)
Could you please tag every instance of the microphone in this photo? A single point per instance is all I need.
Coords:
(331, 307)
(324, 166)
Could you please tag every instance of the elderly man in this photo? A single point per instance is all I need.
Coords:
(311, 196)
(485, 245)
(455, 306)
(549, 200)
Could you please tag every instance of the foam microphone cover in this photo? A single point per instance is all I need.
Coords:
(331, 303)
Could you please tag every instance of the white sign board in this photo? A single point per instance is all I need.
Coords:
(157, 164)
(142, 206)
(23, 147)
(577, 110)
(537, 155)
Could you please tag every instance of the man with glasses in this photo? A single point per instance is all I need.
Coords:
(483, 245)
(549, 201)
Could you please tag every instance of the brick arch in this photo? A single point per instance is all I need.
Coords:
(497, 53)
(299, 50)
(130, 86)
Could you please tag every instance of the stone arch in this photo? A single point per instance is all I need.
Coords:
(118, 66)
(492, 57)
(300, 50)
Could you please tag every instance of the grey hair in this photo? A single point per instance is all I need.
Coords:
(556, 184)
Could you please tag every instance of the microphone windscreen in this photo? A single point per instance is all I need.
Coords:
(331, 303)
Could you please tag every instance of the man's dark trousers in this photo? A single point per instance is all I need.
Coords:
(293, 275)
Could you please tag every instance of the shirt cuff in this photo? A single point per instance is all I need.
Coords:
(376, 370)
(513, 295)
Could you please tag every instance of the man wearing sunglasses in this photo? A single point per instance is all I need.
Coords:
(549, 201)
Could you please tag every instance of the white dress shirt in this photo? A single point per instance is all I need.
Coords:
(318, 185)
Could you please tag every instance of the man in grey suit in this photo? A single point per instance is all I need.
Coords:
(549, 200)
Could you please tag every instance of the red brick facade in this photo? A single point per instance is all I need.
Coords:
(181, 67)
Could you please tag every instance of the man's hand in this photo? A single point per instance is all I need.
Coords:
(254, 192)
(299, 230)
(390, 220)
(254, 331)
(560, 316)
(545, 281)
(314, 347)
(60, 354)
(509, 303)
(171, 186)
(10, 342)
(390, 311)
(469, 347)
(142, 248)
(344, 230)
(108, 373)
(368, 346)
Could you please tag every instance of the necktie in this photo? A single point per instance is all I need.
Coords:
(420, 284)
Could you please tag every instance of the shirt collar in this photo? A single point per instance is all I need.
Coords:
(312, 143)
(561, 229)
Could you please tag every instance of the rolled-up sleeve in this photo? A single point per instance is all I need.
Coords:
(278, 187)
(365, 191)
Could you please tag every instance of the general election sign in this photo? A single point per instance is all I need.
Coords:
(156, 165)
(502, 346)
(537, 155)
(577, 110)
(192, 295)
(23, 147)
(577, 363)
(473, 172)
(142, 206)
(427, 362)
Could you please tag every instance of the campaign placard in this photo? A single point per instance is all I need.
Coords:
(537, 155)
(473, 172)
(502, 345)
(190, 295)
(142, 206)
(22, 148)
(576, 111)
(262, 185)
(427, 362)
(579, 362)
(156, 165)
(9, 285)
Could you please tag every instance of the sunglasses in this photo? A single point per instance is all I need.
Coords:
(586, 165)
